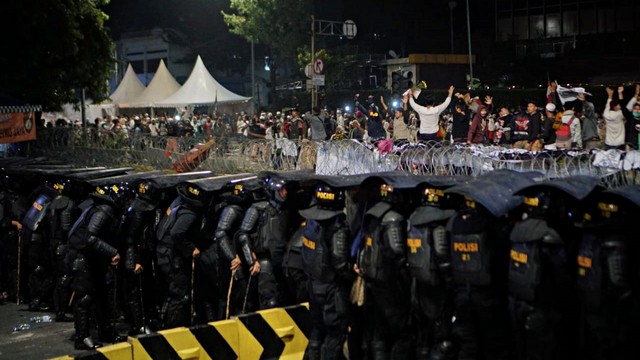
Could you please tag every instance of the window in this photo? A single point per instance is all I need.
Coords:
(505, 32)
(570, 23)
(588, 21)
(536, 27)
(520, 27)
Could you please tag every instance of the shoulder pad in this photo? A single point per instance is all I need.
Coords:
(392, 216)
(426, 214)
(100, 219)
(142, 205)
(534, 230)
(60, 202)
(260, 205)
(379, 209)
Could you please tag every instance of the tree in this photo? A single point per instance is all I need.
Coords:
(53, 48)
(281, 25)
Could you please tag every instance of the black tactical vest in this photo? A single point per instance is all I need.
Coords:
(471, 252)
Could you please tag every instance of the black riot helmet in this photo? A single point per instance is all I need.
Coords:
(149, 191)
(329, 198)
(240, 193)
(273, 186)
(120, 194)
(62, 186)
(390, 194)
(538, 205)
(192, 195)
(432, 196)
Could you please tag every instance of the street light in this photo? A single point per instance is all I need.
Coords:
(452, 5)
(469, 37)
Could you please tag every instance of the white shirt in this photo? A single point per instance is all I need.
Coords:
(429, 116)
(615, 126)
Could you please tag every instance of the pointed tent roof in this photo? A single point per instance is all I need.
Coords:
(200, 89)
(161, 86)
(129, 88)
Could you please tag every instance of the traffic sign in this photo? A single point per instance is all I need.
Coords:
(318, 66)
(318, 80)
(308, 70)
(349, 29)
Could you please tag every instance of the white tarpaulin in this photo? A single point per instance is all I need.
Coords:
(161, 86)
(129, 88)
(201, 89)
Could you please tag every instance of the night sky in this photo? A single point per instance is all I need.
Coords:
(418, 26)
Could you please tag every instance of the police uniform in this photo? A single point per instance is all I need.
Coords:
(479, 252)
(37, 233)
(541, 292)
(139, 250)
(608, 276)
(176, 233)
(91, 247)
(64, 212)
(325, 255)
(382, 260)
(429, 263)
(264, 232)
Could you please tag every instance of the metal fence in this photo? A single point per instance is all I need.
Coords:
(236, 154)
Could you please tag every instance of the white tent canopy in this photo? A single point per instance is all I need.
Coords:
(129, 88)
(201, 89)
(161, 86)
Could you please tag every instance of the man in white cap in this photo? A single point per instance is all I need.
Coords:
(548, 129)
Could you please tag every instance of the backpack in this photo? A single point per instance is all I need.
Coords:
(564, 131)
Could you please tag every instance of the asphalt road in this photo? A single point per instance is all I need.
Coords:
(40, 341)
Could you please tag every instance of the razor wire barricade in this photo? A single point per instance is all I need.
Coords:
(236, 154)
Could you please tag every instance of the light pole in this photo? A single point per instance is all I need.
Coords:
(452, 5)
(469, 37)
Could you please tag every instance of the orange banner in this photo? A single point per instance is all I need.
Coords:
(15, 127)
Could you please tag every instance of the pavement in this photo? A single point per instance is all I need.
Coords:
(38, 340)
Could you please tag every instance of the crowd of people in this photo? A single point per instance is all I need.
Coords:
(395, 265)
(563, 122)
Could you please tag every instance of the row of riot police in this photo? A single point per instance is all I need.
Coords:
(396, 266)
(497, 267)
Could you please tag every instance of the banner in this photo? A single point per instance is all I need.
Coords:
(18, 126)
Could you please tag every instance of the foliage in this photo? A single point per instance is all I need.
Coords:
(341, 65)
(53, 48)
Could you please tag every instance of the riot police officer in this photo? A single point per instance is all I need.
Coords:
(325, 255)
(230, 264)
(137, 227)
(479, 234)
(266, 222)
(541, 293)
(176, 252)
(608, 276)
(13, 207)
(64, 212)
(429, 262)
(37, 234)
(91, 249)
(382, 261)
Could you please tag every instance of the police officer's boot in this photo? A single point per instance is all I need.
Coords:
(61, 298)
(83, 340)
(379, 350)
(314, 350)
(137, 327)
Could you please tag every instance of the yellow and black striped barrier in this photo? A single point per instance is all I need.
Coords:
(280, 333)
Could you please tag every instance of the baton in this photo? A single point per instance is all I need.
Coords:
(246, 294)
(233, 274)
(193, 271)
(144, 321)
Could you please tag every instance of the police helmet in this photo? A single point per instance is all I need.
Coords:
(329, 198)
(149, 191)
(193, 194)
(538, 205)
(240, 193)
(389, 194)
(274, 183)
(62, 186)
(432, 196)
(119, 193)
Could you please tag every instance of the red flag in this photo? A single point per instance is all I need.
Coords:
(167, 153)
